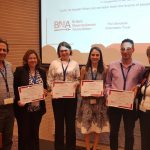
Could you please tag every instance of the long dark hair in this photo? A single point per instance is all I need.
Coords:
(100, 67)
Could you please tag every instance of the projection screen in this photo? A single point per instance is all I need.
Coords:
(85, 23)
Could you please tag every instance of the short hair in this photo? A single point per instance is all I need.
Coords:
(148, 51)
(65, 44)
(128, 40)
(26, 57)
(5, 42)
(100, 67)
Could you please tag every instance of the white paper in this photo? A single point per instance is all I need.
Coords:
(31, 93)
(63, 90)
(121, 99)
(91, 87)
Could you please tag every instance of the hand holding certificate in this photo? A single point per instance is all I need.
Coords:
(92, 88)
(31, 93)
(63, 90)
(121, 99)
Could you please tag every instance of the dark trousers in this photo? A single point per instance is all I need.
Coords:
(145, 130)
(65, 111)
(6, 126)
(129, 118)
(28, 130)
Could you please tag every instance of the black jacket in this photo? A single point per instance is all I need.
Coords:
(21, 78)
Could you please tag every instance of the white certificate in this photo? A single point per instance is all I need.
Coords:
(31, 93)
(121, 99)
(63, 90)
(91, 87)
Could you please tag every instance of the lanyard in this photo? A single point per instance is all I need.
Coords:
(5, 79)
(93, 76)
(65, 70)
(125, 76)
(34, 78)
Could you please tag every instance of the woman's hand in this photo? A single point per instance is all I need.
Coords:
(76, 84)
(21, 104)
(135, 89)
(45, 92)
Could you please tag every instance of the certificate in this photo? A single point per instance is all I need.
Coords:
(63, 90)
(91, 87)
(31, 93)
(121, 99)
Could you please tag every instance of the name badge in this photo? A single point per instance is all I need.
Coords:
(8, 101)
(93, 101)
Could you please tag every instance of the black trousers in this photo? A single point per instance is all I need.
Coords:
(65, 111)
(6, 126)
(145, 130)
(129, 118)
(28, 130)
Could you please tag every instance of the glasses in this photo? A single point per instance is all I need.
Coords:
(126, 49)
(3, 49)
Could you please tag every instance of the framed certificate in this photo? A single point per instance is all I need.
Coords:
(31, 93)
(121, 99)
(91, 87)
(63, 90)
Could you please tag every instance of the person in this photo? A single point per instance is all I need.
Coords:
(6, 97)
(29, 115)
(123, 74)
(64, 69)
(92, 115)
(144, 113)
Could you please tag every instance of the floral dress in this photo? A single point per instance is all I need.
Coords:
(92, 117)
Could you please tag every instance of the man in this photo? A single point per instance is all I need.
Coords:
(123, 75)
(6, 98)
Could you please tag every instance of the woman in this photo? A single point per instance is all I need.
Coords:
(64, 69)
(92, 115)
(144, 98)
(29, 115)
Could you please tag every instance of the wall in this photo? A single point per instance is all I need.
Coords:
(19, 25)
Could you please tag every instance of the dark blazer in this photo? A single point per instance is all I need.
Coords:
(21, 78)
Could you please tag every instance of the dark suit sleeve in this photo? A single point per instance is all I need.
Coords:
(16, 83)
(43, 75)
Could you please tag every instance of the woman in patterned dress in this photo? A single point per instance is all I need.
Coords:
(92, 115)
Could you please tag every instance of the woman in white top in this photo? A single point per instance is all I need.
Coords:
(145, 108)
(64, 69)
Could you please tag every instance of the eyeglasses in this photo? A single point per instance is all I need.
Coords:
(3, 49)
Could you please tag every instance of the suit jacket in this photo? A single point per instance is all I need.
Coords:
(21, 78)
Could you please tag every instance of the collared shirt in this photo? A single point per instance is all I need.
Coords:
(115, 80)
(55, 72)
(3, 89)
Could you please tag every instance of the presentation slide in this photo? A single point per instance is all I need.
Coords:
(86, 23)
